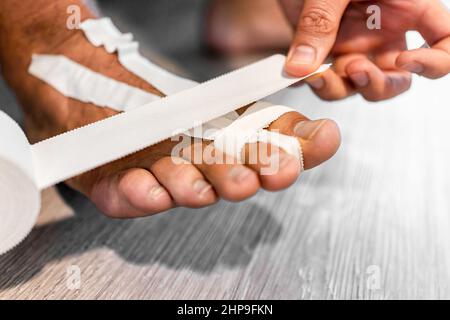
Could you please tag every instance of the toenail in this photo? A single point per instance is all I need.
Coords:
(413, 67)
(317, 83)
(303, 55)
(201, 187)
(307, 129)
(155, 192)
(361, 79)
(240, 173)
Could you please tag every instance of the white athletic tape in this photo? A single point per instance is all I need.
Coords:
(248, 128)
(78, 82)
(102, 32)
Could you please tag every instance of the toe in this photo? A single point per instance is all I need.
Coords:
(319, 139)
(130, 194)
(185, 182)
(232, 181)
(277, 170)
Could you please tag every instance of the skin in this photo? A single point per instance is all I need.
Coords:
(374, 63)
(149, 181)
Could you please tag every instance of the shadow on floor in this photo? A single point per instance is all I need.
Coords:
(199, 240)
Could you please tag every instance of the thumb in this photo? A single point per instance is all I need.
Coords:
(317, 29)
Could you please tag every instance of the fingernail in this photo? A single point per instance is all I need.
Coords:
(240, 173)
(399, 83)
(303, 55)
(307, 129)
(361, 79)
(413, 67)
(201, 187)
(317, 83)
(155, 192)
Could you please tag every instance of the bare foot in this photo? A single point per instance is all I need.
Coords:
(150, 181)
(242, 26)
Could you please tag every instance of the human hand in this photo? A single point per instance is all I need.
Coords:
(375, 63)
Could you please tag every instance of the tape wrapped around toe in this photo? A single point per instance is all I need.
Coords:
(233, 141)
(19, 194)
(249, 128)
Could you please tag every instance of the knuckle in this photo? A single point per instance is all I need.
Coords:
(318, 20)
(334, 96)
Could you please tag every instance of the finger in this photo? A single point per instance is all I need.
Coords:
(184, 182)
(375, 84)
(434, 23)
(231, 180)
(316, 33)
(434, 26)
(130, 194)
(319, 139)
(385, 57)
(432, 63)
(330, 86)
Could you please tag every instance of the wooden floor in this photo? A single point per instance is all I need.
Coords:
(374, 222)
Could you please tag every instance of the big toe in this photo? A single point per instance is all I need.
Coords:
(320, 140)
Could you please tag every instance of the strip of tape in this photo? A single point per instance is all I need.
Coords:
(78, 82)
(102, 32)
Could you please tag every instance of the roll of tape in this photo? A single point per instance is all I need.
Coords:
(19, 193)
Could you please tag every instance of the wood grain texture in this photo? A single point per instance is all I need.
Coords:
(381, 204)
